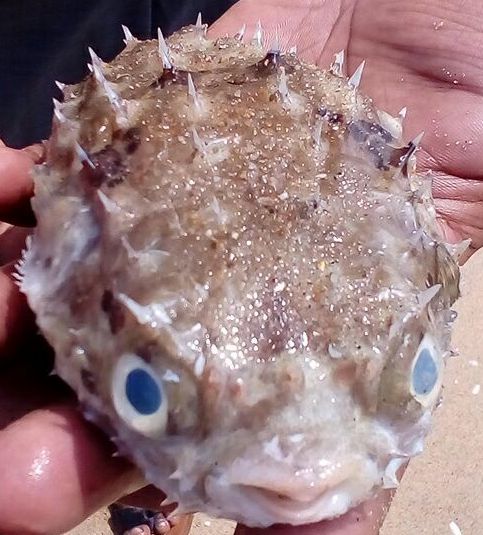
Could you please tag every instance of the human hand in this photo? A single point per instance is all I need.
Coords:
(426, 56)
(56, 469)
(53, 455)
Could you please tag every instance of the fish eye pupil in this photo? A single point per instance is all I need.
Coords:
(425, 373)
(143, 392)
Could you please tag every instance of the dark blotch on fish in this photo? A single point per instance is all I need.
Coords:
(272, 62)
(107, 168)
(170, 76)
(88, 380)
(112, 308)
(132, 140)
(375, 139)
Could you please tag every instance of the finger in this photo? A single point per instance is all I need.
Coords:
(307, 25)
(236, 17)
(151, 498)
(16, 186)
(12, 242)
(366, 519)
(17, 322)
(56, 470)
(459, 203)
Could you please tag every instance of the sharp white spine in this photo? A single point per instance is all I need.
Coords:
(282, 85)
(82, 155)
(128, 36)
(426, 296)
(355, 79)
(257, 39)
(199, 144)
(192, 91)
(337, 66)
(241, 33)
(163, 50)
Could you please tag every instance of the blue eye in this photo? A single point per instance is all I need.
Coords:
(143, 392)
(138, 395)
(426, 372)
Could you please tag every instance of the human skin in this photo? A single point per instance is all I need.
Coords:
(57, 469)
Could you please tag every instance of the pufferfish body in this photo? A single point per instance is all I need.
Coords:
(241, 275)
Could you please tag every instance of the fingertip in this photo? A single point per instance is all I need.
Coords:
(12, 242)
(16, 185)
(56, 470)
(17, 322)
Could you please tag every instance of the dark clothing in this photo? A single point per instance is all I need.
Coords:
(46, 40)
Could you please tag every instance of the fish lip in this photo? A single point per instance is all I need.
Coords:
(287, 498)
(281, 478)
(277, 491)
(288, 509)
(259, 507)
(286, 489)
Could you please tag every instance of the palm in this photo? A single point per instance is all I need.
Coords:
(423, 55)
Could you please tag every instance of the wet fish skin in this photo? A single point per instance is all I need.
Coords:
(242, 276)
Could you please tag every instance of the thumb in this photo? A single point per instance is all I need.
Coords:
(16, 186)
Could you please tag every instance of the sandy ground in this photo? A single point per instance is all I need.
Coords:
(443, 484)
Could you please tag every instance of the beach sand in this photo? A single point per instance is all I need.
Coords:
(443, 484)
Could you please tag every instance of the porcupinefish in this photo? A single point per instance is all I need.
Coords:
(241, 274)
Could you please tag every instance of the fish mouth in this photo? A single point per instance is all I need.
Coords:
(260, 507)
(277, 495)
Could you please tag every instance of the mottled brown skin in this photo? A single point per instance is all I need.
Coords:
(262, 240)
